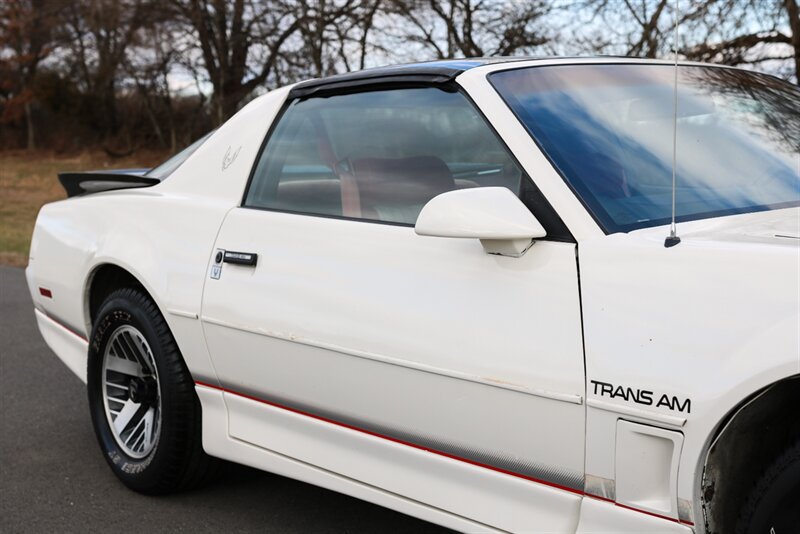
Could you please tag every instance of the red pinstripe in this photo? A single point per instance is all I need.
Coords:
(434, 451)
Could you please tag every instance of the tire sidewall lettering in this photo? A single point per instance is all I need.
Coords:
(106, 325)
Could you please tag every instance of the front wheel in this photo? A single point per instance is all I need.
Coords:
(143, 405)
(773, 506)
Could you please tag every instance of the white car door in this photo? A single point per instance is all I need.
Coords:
(420, 365)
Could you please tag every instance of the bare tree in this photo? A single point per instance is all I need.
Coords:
(793, 12)
(148, 67)
(469, 28)
(98, 34)
(26, 31)
(106, 70)
(333, 37)
(239, 44)
(748, 32)
(635, 28)
(365, 24)
(731, 32)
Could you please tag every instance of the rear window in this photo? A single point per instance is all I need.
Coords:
(168, 167)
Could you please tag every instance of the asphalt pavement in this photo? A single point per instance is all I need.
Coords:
(54, 479)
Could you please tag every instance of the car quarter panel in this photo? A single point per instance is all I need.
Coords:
(686, 333)
(162, 235)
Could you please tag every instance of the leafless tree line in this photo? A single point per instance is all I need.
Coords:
(129, 73)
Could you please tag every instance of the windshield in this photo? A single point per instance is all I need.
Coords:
(608, 130)
(169, 166)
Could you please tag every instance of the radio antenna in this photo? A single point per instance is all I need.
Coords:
(673, 238)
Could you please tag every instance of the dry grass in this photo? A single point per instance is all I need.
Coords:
(28, 180)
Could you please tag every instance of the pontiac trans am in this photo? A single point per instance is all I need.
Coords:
(446, 288)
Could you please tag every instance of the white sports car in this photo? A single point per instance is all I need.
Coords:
(445, 288)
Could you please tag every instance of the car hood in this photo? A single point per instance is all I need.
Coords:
(778, 227)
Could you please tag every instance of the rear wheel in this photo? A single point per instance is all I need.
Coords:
(144, 408)
(773, 506)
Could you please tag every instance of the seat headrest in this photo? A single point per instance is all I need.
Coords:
(413, 180)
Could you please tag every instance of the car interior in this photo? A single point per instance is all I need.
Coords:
(379, 164)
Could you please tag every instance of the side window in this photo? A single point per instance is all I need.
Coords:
(378, 156)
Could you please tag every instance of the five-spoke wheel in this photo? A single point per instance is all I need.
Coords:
(131, 392)
(144, 408)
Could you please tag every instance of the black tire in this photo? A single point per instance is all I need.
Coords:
(773, 506)
(176, 460)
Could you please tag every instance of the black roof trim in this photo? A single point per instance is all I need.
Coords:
(329, 87)
(432, 72)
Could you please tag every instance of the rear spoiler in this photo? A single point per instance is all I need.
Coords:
(84, 183)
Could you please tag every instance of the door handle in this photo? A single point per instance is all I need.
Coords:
(238, 258)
